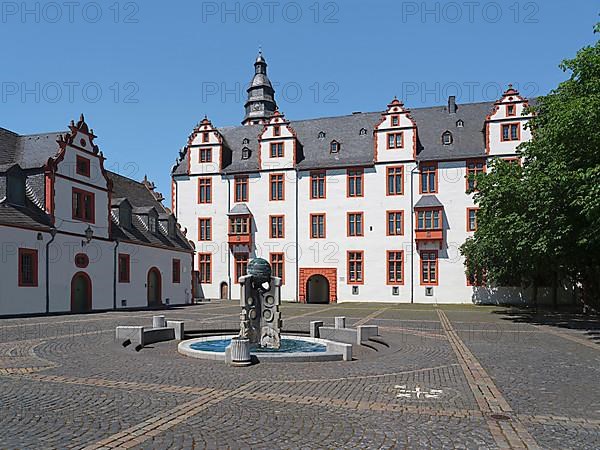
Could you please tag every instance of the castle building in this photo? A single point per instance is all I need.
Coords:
(76, 237)
(363, 207)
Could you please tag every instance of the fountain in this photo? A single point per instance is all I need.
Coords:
(260, 329)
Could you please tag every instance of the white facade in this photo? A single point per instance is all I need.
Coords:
(68, 263)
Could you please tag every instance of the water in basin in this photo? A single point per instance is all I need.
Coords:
(287, 346)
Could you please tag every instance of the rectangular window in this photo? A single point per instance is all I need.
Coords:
(277, 229)
(276, 130)
(395, 267)
(355, 224)
(472, 219)
(429, 182)
(395, 180)
(430, 219)
(276, 149)
(241, 265)
(277, 191)
(317, 226)
(355, 267)
(204, 190)
(205, 267)
(511, 110)
(205, 229)
(395, 140)
(124, 268)
(176, 276)
(83, 205)
(511, 132)
(82, 166)
(239, 225)
(204, 137)
(429, 267)
(474, 168)
(277, 266)
(317, 185)
(28, 267)
(395, 121)
(395, 221)
(355, 182)
(241, 188)
(206, 155)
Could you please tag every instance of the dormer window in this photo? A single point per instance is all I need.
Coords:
(245, 153)
(447, 138)
(125, 216)
(460, 124)
(152, 226)
(362, 132)
(334, 147)
(321, 135)
(15, 189)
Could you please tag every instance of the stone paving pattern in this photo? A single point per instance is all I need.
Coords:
(508, 380)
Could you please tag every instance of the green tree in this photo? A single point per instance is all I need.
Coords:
(540, 223)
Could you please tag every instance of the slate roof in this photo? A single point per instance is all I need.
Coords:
(357, 149)
(240, 209)
(29, 152)
(429, 201)
(29, 216)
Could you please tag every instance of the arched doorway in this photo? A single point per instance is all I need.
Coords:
(154, 287)
(81, 293)
(317, 289)
(224, 291)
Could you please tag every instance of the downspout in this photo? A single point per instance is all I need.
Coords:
(297, 243)
(53, 234)
(412, 236)
(115, 264)
(230, 287)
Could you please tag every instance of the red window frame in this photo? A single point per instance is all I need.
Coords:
(80, 205)
(429, 266)
(124, 268)
(469, 211)
(472, 171)
(317, 178)
(241, 186)
(423, 212)
(312, 228)
(277, 260)
(391, 219)
(277, 227)
(392, 175)
(351, 219)
(395, 121)
(176, 270)
(205, 137)
(240, 225)
(277, 130)
(355, 179)
(277, 150)
(205, 228)
(509, 137)
(392, 140)
(205, 154)
(24, 279)
(82, 166)
(276, 180)
(205, 268)
(204, 190)
(393, 259)
(241, 265)
(508, 110)
(356, 275)
(426, 171)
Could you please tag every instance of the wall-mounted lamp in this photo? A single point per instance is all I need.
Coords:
(89, 234)
(40, 237)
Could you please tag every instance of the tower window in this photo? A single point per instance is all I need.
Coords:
(334, 147)
(447, 138)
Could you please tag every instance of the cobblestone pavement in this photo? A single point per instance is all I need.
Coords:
(451, 377)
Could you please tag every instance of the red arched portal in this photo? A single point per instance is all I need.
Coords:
(328, 273)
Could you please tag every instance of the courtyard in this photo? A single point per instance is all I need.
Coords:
(442, 377)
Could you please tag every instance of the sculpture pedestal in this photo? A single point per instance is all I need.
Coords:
(240, 352)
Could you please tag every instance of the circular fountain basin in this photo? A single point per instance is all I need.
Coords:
(293, 348)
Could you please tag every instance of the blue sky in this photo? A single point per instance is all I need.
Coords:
(145, 72)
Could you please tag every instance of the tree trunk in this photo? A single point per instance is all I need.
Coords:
(555, 291)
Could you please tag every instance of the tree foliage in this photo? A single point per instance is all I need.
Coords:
(541, 221)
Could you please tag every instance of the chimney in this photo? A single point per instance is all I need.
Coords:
(452, 104)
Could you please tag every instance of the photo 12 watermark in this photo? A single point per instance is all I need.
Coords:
(271, 12)
(470, 12)
(68, 92)
(69, 12)
(290, 92)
